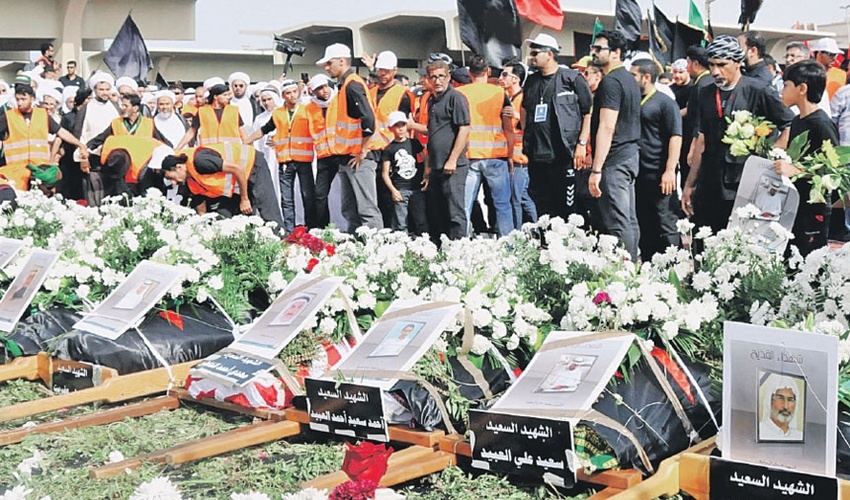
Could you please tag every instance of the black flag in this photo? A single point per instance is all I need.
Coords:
(662, 37)
(490, 28)
(627, 19)
(749, 9)
(686, 35)
(128, 55)
(161, 82)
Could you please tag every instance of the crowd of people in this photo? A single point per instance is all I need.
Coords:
(465, 150)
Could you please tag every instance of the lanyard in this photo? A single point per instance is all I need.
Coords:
(720, 108)
(131, 127)
(546, 88)
(699, 77)
(648, 96)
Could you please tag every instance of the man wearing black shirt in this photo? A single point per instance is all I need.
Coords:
(446, 164)
(660, 142)
(615, 129)
(555, 117)
(698, 71)
(805, 83)
(754, 45)
(72, 79)
(714, 177)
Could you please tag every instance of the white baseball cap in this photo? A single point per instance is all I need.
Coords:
(396, 117)
(318, 81)
(825, 45)
(386, 60)
(333, 51)
(544, 40)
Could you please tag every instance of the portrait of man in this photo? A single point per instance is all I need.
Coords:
(399, 337)
(770, 197)
(567, 374)
(136, 295)
(292, 309)
(782, 408)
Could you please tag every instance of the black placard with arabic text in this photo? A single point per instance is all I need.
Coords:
(351, 410)
(526, 446)
(731, 480)
(232, 367)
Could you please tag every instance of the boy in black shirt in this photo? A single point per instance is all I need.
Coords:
(805, 82)
(403, 177)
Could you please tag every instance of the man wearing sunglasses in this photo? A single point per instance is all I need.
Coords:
(248, 108)
(555, 118)
(615, 128)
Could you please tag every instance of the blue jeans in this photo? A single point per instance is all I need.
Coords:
(520, 199)
(495, 172)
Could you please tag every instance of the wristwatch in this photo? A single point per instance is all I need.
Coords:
(583, 142)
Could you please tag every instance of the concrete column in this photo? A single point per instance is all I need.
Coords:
(70, 43)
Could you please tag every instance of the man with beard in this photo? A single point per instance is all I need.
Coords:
(219, 122)
(351, 116)
(615, 129)
(779, 411)
(697, 58)
(170, 124)
(92, 118)
(239, 82)
(715, 174)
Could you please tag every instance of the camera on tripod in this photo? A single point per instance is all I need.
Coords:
(295, 46)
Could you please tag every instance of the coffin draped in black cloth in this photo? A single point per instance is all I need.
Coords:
(658, 428)
(195, 333)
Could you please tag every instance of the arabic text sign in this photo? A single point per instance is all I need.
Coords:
(730, 480)
(346, 409)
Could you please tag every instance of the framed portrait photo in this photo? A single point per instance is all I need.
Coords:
(781, 408)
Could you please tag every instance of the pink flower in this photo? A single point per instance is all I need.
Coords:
(602, 297)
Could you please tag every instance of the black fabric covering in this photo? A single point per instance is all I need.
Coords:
(426, 415)
(33, 333)
(843, 450)
(644, 395)
(205, 331)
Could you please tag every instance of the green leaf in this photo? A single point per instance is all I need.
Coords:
(381, 307)
(799, 146)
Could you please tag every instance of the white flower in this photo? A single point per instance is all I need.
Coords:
(159, 488)
(307, 494)
(83, 291)
(19, 492)
(276, 282)
(748, 211)
(327, 325)
(747, 130)
(703, 233)
(499, 330)
(115, 456)
(742, 116)
(252, 495)
(130, 240)
(701, 281)
(513, 343)
(480, 344)
(27, 465)
(216, 282)
(684, 226)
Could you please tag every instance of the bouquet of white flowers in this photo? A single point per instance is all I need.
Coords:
(748, 134)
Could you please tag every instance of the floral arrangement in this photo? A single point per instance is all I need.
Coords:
(748, 134)
(827, 168)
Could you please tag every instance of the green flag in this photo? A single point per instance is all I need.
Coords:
(598, 27)
(695, 18)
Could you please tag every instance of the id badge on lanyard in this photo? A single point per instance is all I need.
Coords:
(541, 112)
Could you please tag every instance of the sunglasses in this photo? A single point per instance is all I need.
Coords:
(598, 48)
(534, 53)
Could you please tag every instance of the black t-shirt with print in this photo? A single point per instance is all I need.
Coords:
(405, 173)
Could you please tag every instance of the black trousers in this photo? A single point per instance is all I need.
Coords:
(657, 215)
(445, 204)
(553, 187)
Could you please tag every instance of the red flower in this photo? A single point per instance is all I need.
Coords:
(354, 490)
(366, 461)
(313, 262)
(330, 250)
(602, 297)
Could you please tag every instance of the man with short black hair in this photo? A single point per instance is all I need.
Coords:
(697, 58)
(47, 53)
(660, 143)
(754, 50)
(24, 131)
(615, 131)
(446, 166)
(555, 118)
(511, 79)
(72, 79)
(715, 175)
(488, 150)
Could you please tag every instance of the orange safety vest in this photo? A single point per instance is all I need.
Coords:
(486, 137)
(212, 131)
(422, 119)
(27, 143)
(347, 138)
(519, 157)
(292, 140)
(835, 79)
(389, 102)
(140, 148)
(189, 109)
(221, 183)
(145, 128)
(318, 129)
